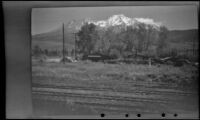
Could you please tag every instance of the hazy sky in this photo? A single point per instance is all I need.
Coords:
(173, 17)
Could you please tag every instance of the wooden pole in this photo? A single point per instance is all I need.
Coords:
(149, 62)
(193, 46)
(63, 43)
(75, 47)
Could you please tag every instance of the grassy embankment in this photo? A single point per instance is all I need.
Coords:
(87, 87)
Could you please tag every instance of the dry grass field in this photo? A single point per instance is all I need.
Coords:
(87, 88)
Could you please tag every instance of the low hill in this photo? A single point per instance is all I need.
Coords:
(183, 35)
(54, 39)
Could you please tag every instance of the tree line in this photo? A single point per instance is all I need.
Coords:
(122, 40)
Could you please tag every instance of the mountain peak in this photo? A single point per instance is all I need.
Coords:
(119, 16)
(118, 20)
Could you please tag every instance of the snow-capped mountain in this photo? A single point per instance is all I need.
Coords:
(74, 25)
(121, 19)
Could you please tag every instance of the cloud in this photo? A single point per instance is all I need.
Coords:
(148, 21)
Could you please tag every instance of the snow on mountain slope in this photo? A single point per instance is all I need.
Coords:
(123, 20)
(118, 20)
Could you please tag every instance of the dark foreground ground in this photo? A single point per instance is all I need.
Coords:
(87, 88)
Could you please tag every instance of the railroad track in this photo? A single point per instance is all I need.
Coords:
(112, 103)
(103, 94)
(135, 91)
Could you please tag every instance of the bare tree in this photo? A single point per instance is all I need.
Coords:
(162, 41)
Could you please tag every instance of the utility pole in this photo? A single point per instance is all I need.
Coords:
(63, 43)
(193, 47)
(74, 45)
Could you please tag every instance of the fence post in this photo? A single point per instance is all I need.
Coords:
(149, 62)
(63, 43)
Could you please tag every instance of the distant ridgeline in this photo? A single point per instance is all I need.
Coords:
(119, 36)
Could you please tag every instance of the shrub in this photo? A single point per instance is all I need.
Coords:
(174, 52)
(115, 53)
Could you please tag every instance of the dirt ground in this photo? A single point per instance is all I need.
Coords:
(88, 88)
